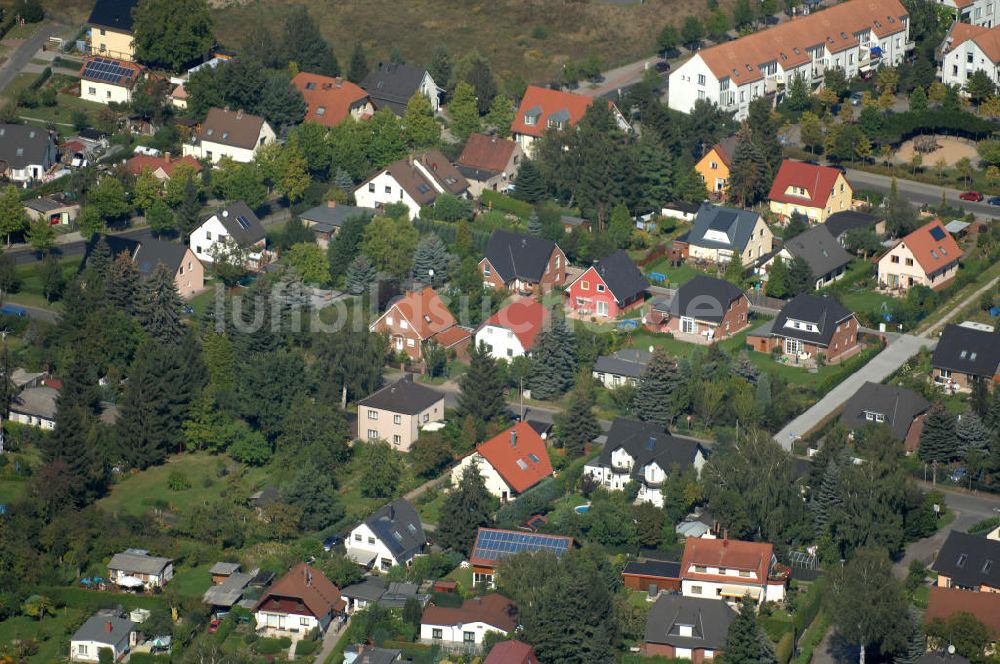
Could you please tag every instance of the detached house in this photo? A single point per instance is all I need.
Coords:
(944, 603)
(396, 413)
(510, 463)
(301, 600)
(493, 545)
(719, 232)
(391, 85)
(807, 326)
(898, 408)
(466, 626)
(232, 134)
(543, 109)
(622, 367)
(703, 310)
(511, 332)
(511, 652)
(523, 264)
(415, 181)
(489, 163)
(26, 152)
(161, 167)
(106, 81)
(109, 31)
(104, 630)
(964, 355)
(928, 256)
(714, 166)
(135, 568)
(415, 319)
(148, 255)
(687, 628)
(330, 101)
(611, 287)
(730, 569)
(391, 536)
(235, 224)
(810, 190)
(826, 258)
(645, 453)
(969, 562)
(967, 49)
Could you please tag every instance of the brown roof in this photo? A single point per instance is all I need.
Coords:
(493, 609)
(426, 176)
(335, 96)
(309, 586)
(729, 554)
(987, 39)
(488, 153)
(424, 311)
(787, 44)
(233, 128)
(452, 336)
(945, 602)
(817, 181)
(725, 149)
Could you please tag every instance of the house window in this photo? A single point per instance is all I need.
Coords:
(792, 346)
(397, 419)
(602, 308)
(469, 637)
(486, 270)
(584, 285)
(371, 540)
(600, 288)
(714, 165)
(701, 79)
(403, 324)
(396, 440)
(700, 569)
(427, 418)
(436, 633)
(372, 434)
(894, 259)
(745, 574)
(357, 537)
(321, 111)
(372, 414)
(82, 648)
(409, 342)
(371, 187)
(688, 327)
(695, 590)
(91, 91)
(968, 58)
(303, 621)
(208, 235)
(388, 189)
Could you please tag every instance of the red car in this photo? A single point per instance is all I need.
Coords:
(213, 626)
(974, 196)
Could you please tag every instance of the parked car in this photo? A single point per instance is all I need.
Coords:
(856, 98)
(332, 541)
(958, 474)
(662, 66)
(994, 201)
(974, 196)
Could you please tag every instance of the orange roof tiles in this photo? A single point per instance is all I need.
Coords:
(308, 585)
(329, 100)
(452, 336)
(547, 102)
(488, 153)
(945, 602)
(141, 162)
(726, 553)
(493, 609)
(425, 312)
(988, 39)
(817, 181)
(518, 454)
(524, 318)
(932, 246)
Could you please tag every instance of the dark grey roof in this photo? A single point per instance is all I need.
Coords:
(266, 496)
(369, 589)
(898, 405)
(398, 592)
(138, 560)
(562, 115)
(224, 569)
(621, 276)
(824, 313)
(398, 526)
(404, 396)
(627, 362)
(25, 145)
(38, 401)
(705, 299)
(970, 560)
(839, 223)
(247, 231)
(736, 225)
(474, 173)
(115, 14)
(819, 249)
(660, 568)
(96, 628)
(682, 206)
(391, 85)
(371, 655)
(516, 256)
(335, 216)
(968, 351)
(647, 442)
(570, 220)
(146, 254)
(230, 591)
(941, 658)
(45, 204)
(708, 618)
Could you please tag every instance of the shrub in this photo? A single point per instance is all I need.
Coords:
(497, 201)
(178, 481)
(306, 647)
(783, 651)
(984, 526)
(272, 646)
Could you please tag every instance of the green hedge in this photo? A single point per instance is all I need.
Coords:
(497, 201)
(809, 606)
(146, 658)
(306, 647)
(811, 639)
(93, 600)
(902, 126)
(534, 501)
(272, 646)
(783, 651)
(848, 367)
(984, 526)
(40, 81)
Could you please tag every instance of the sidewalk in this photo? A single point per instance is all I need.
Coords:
(330, 641)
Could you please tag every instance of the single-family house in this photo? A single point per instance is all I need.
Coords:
(109, 29)
(928, 256)
(397, 412)
(826, 258)
(964, 355)
(416, 318)
(135, 568)
(728, 570)
(26, 152)
(330, 101)
(645, 453)
(807, 326)
(703, 310)
(493, 545)
(809, 189)
(687, 628)
(228, 591)
(232, 134)
(489, 163)
(105, 80)
(714, 166)
(373, 590)
(415, 181)
(719, 232)
(510, 463)
(969, 562)
(969, 48)
(35, 406)
(511, 332)
(366, 654)
(522, 263)
(898, 408)
(545, 109)
(467, 625)
(680, 210)
(391, 85)
(234, 226)
(391, 536)
(57, 209)
(943, 603)
(607, 289)
(841, 223)
(162, 168)
(326, 220)
(148, 254)
(622, 367)
(105, 629)
(647, 575)
(511, 652)
(300, 601)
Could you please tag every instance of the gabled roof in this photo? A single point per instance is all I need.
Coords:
(932, 246)
(525, 318)
(46, 204)
(648, 442)
(146, 254)
(40, 401)
(987, 39)
(620, 274)
(110, 71)
(96, 629)
(489, 154)
(511, 652)
(709, 620)
(515, 256)
(233, 128)
(366, 654)
(898, 405)
(817, 181)
(823, 313)
(333, 216)
(946, 602)
(518, 454)
(424, 311)
(425, 176)
(329, 100)
(240, 222)
(628, 362)
(140, 162)
(970, 560)
(114, 14)
(391, 85)
(404, 396)
(728, 554)
(705, 299)
(725, 149)
(398, 526)
(661, 569)
(138, 561)
(23, 145)
(544, 104)
(819, 249)
(306, 587)
(968, 351)
(839, 223)
(717, 227)
(492, 545)
(493, 609)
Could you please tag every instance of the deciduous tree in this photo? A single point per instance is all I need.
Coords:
(172, 33)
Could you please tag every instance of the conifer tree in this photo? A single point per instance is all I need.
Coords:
(528, 185)
(979, 400)
(467, 507)
(98, 264)
(938, 440)
(973, 436)
(534, 224)
(748, 180)
(655, 171)
(654, 395)
(621, 226)
(314, 493)
(777, 279)
(578, 424)
(734, 270)
(992, 417)
(800, 277)
(501, 115)
(422, 130)
(359, 64)
(360, 275)
(482, 391)
(745, 642)
(553, 359)
(122, 287)
(305, 46)
(346, 245)
(431, 261)
(827, 496)
(161, 307)
(763, 393)
(916, 641)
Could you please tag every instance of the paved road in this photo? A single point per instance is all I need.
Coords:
(330, 641)
(919, 193)
(25, 255)
(21, 57)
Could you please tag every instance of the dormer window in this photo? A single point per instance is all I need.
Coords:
(310, 86)
(961, 560)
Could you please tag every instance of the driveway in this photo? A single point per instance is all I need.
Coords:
(21, 57)
(919, 193)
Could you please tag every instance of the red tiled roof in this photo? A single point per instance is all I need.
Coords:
(128, 78)
(307, 585)
(452, 336)
(488, 153)
(987, 39)
(180, 92)
(932, 253)
(945, 602)
(513, 461)
(493, 609)
(548, 101)
(524, 318)
(141, 162)
(818, 182)
(729, 554)
(511, 652)
(334, 95)
(425, 311)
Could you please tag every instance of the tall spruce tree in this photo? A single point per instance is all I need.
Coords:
(304, 45)
(466, 508)
(745, 643)
(358, 68)
(748, 177)
(827, 497)
(979, 400)
(655, 171)
(431, 261)
(938, 440)
(160, 312)
(777, 279)
(122, 287)
(578, 424)
(346, 245)
(654, 395)
(482, 390)
(534, 224)
(916, 640)
(553, 363)
(98, 264)
(992, 417)
(314, 492)
(360, 275)
(528, 185)
(760, 117)
(973, 436)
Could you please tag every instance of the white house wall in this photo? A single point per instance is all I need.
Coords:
(956, 67)
(495, 484)
(370, 543)
(104, 93)
(383, 190)
(456, 633)
(502, 343)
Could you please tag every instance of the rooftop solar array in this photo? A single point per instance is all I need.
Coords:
(107, 71)
(498, 544)
(937, 233)
(243, 222)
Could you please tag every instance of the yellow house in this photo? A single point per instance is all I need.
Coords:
(110, 29)
(714, 166)
(811, 190)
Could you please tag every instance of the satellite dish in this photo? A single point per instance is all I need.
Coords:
(951, 650)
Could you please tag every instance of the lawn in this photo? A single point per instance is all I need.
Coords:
(30, 292)
(193, 582)
(675, 275)
(51, 634)
(10, 490)
(430, 512)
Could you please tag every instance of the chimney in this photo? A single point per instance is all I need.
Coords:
(239, 114)
(392, 512)
(107, 627)
(166, 155)
(725, 538)
(513, 438)
(331, 204)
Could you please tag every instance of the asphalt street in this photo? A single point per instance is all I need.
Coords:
(919, 193)
(22, 56)
(26, 256)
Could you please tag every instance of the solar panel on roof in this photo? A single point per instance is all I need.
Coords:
(106, 71)
(498, 544)
(243, 222)
(937, 233)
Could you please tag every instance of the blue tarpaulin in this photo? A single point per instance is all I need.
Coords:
(994, 311)
(657, 276)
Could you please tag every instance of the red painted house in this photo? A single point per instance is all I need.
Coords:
(607, 289)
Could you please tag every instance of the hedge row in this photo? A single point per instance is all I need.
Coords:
(147, 658)
(848, 367)
(783, 651)
(40, 81)
(899, 127)
(497, 201)
(93, 600)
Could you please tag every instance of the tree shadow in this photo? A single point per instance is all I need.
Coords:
(841, 649)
